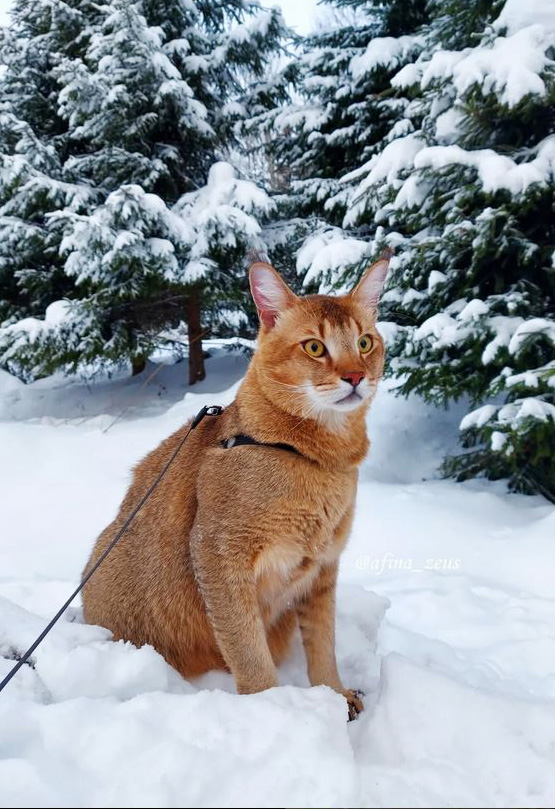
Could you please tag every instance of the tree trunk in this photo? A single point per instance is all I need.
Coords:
(138, 364)
(196, 359)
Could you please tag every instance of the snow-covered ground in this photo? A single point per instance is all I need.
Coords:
(446, 619)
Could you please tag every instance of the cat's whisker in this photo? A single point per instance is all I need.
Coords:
(323, 386)
(285, 385)
(308, 415)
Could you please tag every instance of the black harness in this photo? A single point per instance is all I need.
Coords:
(241, 440)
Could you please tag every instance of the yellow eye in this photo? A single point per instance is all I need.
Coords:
(365, 344)
(314, 348)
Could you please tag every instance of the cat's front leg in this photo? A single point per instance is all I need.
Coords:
(316, 614)
(227, 585)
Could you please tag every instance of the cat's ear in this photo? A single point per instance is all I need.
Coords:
(369, 288)
(270, 292)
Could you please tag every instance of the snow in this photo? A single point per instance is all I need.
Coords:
(259, 24)
(310, 118)
(530, 328)
(443, 328)
(503, 328)
(383, 168)
(30, 329)
(329, 253)
(466, 721)
(473, 310)
(251, 32)
(512, 60)
(435, 279)
(446, 619)
(408, 75)
(510, 415)
(119, 233)
(511, 332)
(397, 155)
(9, 384)
(515, 412)
(413, 193)
(510, 67)
(220, 214)
(531, 378)
(498, 440)
(478, 417)
(494, 171)
(449, 125)
(516, 15)
(440, 66)
(384, 52)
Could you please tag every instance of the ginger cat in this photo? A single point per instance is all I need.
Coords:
(239, 544)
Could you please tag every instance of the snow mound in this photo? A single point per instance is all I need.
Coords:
(117, 726)
(445, 619)
(421, 715)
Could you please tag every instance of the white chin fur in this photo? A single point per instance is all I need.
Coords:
(330, 407)
(347, 404)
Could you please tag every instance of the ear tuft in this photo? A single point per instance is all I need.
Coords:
(369, 288)
(270, 292)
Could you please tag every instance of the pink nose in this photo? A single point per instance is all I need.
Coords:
(354, 377)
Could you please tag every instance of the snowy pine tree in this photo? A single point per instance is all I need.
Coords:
(428, 127)
(147, 96)
(346, 109)
(33, 146)
(467, 197)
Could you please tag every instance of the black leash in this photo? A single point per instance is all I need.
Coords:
(214, 410)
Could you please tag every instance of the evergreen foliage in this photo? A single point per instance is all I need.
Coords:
(456, 172)
(111, 119)
(346, 110)
(422, 125)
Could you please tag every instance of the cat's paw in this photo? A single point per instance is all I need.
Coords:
(354, 703)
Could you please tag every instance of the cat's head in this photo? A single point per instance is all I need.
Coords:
(318, 356)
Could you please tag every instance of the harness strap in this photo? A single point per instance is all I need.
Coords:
(239, 440)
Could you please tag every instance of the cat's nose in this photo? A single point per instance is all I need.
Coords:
(354, 377)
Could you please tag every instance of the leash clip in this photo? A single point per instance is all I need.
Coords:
(207, 410)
